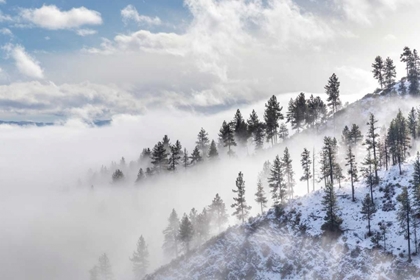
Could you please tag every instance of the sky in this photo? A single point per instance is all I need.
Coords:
(96, 59)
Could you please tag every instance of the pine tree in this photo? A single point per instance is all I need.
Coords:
(402, 88)
(272, 115)
(240, 206)
(185, 159)
(104, 268)
(203, 140)
(368, 172)
(352, 169)
(412, 123)
(94, 273)
(404, 217)
(317, 110)
(378, 70)
(297, 111)
(398, 140)
(170, 245)
(117, 176)
(241, 128)
(140, 176)
(355, 135)
(288, 172)
(389, 73)
(257, 129)
(213, 150)
(407, 57)
(333, 91)
(416, 172)
(330, 154)
(166, 142)
(149, 172)
(371, 143)
(195, 156)
(202, 230)
(160, 156)
(283, 132)
(175, 156)
(186, 232)
(277, 182)
(413, 74)
(346, 136)
(329, 201)
(218, 212)
(226, 136)
(140, 259)
(306, 166)
(368, 209)
(260, 197)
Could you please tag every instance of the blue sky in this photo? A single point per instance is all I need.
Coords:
(97, 59)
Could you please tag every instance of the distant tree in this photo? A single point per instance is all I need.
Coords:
(175, 155)
(329, 202)
(288, 172)
(330, 153)
(416, 171)
(333, 91)
(226, 136)
(283, 132)
(368, 209)
(297, 111)
(104, 268)
(117, 176)
(389, 73)
(202, 229)
(407, 57)
(94, 273)
(123, 163)
(368, 172)
(402, 88)
(145, 155)
(371, 143)
(140, 175)
(257, 129)
(203, 140)
(170, 244)
(260, 197)
(149, 172)
(186, 232)
(240, 128)
(195, 156)
(412, 123)
(404, 217)
(277, 182)
(355, 135)
(140, 259)
(213, 150)
(185, 159)
(160, 156)
(384, 230)
(352, 169)
(398, 140)
(218, 212)
(378, 70)
(413, 74)
(272, 115)
(306, 166)
(240, 205)
(317, 110)
(345, 136)
(166, 144)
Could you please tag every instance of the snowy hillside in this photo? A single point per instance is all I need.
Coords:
(293, 246)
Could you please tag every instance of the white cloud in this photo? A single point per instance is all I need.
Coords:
(6, 31)
(130, 13)
(2, 1)
(26, 64)
(85, 32)
(51, 17)
(4, 17)
(390, 37)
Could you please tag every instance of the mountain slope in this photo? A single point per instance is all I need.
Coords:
(293, 246)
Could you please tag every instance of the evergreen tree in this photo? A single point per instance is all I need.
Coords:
(355, 135)
(241, 128)
(412, 123)
(140, 259)
(203, 140)
(170, 244)
(288, 172)
(407, 57)
(416, 172)
(317, 110)
(185, 159)
(140, 175)
(257, 130)
(218, 212)
(398, 140)
(283, 132)
(368, 172)
(338, 173)
(226, 136)
(213, 150)
(389, 73)
(272, 115)
(186, 232)
(260, 197)
(240, 206)
(277, 182)
(145, 155)
(296, 114)
(195, 156)
(149, 172)
(371, 143)
(202, 230)
(160, 156)
(306, 166)
(352, 169)
(94, 273)
(404, 217)
(378, 70)
(413, 74)
(117, 176)
(329, 202)
(402, 88)
(368, 209)
(166, 144)
(330, 154)
(104, 268)
(175, 155)
(333, 91)
(346, 136)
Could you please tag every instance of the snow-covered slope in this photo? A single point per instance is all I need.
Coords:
(293, 246)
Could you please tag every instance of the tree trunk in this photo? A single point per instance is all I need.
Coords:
(408, 235)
